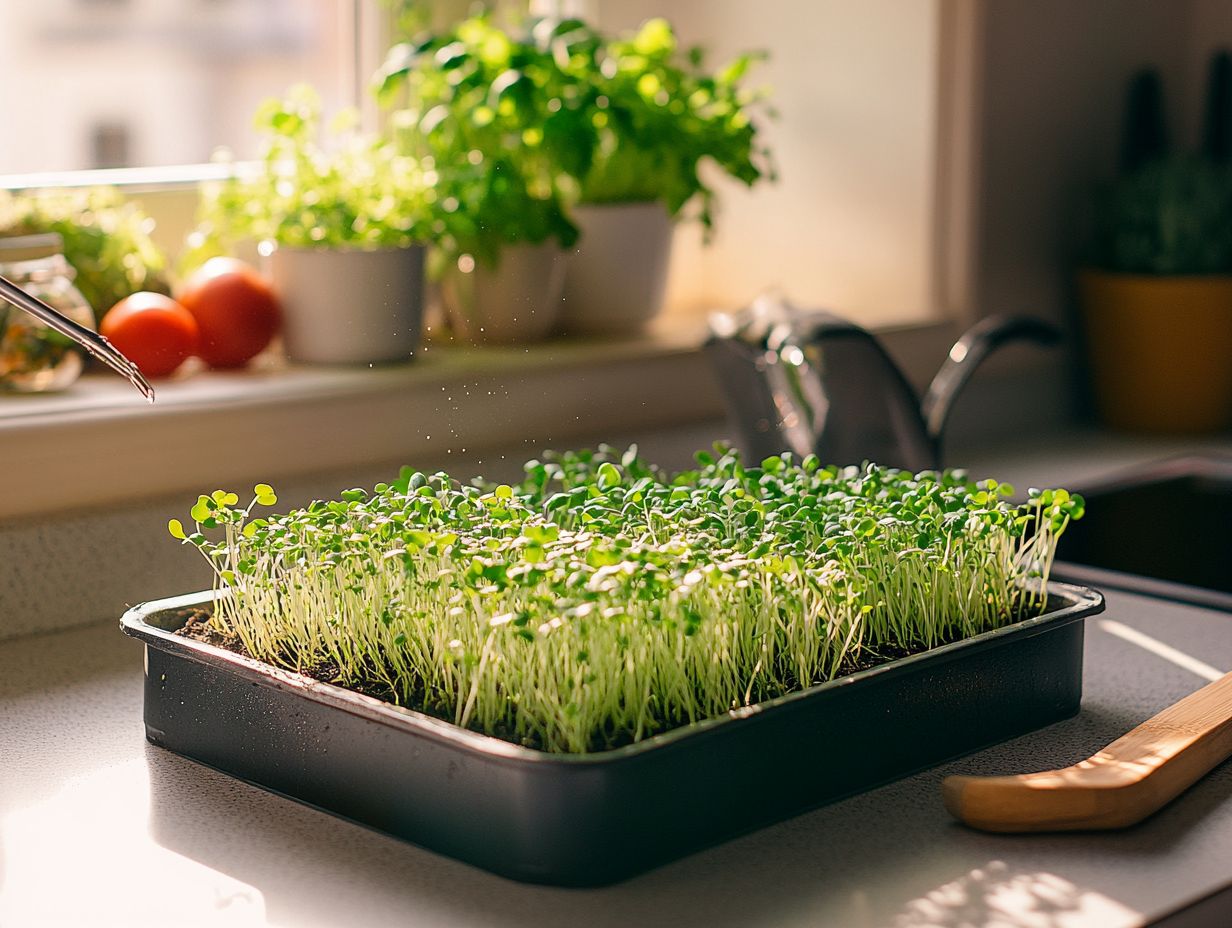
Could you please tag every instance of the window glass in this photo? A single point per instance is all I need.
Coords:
(119, 83)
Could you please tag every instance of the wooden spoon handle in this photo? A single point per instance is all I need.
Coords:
(1128, 780)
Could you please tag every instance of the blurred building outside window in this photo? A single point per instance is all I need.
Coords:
(142, 83)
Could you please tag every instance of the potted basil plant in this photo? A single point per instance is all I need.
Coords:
(344, 228)
(661, 117)
(505, 129)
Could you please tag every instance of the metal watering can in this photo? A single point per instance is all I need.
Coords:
(809, 382)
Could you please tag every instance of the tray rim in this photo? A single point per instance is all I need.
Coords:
(1077, 602)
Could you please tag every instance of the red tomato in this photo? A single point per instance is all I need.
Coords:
(236, 311)
(153, 331)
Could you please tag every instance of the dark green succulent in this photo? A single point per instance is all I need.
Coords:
(1171, 216)
(1169, 213)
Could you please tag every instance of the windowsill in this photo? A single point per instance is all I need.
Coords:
(171, 178)
(100, 444)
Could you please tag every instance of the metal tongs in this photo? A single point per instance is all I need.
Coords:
(88, 339)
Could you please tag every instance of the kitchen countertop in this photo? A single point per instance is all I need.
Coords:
(99, 828)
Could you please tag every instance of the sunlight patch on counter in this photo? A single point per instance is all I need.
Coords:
(994, 896)
(79, 857)
(1158, 648)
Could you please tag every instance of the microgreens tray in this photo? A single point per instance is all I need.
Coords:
(603, 600)
(616, 665)
(594, 818)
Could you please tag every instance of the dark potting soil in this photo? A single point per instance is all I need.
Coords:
(198, 626)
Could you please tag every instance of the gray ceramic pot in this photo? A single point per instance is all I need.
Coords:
(617, 275)
(516, 301)
(350, 306)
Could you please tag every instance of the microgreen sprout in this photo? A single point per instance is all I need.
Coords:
(601, 600)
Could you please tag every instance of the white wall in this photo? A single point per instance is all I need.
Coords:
(849, 224)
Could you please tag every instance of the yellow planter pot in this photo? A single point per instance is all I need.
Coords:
(1160, 350)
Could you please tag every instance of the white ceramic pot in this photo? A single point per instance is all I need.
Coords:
(617, 275)
(349, 306)
(516, 301)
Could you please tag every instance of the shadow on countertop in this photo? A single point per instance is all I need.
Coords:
(888, 857)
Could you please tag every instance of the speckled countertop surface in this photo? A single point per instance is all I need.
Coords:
(99, 828)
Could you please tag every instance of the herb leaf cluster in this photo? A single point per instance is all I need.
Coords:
(314, 189)
(601, 601)
(531, 121)
(661, 114)
(503, 121)
(106, 239)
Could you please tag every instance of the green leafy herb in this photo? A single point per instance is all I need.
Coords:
(660, 114)
(505, 126)
(525, 123)
(106, 239)
(356, 191)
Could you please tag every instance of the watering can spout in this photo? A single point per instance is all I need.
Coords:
(88, 339)
(810, 382)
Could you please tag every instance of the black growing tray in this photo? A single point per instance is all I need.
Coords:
(588, 820)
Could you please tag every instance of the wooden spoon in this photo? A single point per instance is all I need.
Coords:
(1121, 785)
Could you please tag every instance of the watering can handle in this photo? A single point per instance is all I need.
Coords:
(90, 340)
(975, 345)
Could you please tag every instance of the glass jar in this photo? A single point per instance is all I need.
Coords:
(33, 357)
